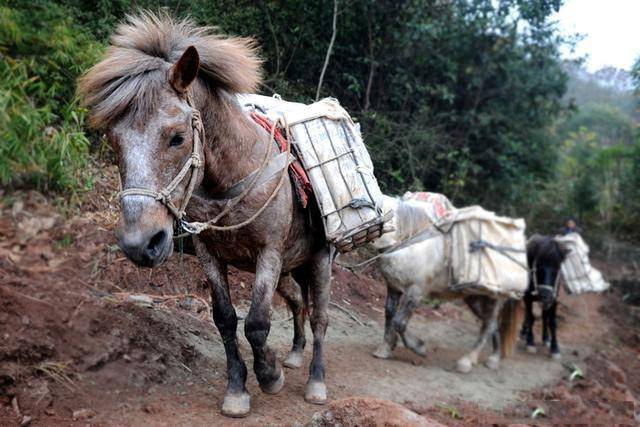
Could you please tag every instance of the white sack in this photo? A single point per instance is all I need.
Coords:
(330, 148)
(579, 276)
(499, 270)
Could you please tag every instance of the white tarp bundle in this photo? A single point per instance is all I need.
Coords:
(578, 274)
(487, 252)
(436, 205)
(330, 148)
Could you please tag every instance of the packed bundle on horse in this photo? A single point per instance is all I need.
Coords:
(329, 146)
(436, 205)
(487, 252)
(578, 273)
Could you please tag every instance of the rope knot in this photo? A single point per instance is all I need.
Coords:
(196, 161)
(163, 196)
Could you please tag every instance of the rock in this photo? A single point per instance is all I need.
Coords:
(616, 373)
(83, 414)
(26, 420)
(151, 408)
(35, 396)
(361, 411)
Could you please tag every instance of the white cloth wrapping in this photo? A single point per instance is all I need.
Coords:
(330, 148)
(501, 269)
(578, 274)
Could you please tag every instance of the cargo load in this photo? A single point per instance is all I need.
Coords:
(329, 146)
(578, 274)
(487, 253)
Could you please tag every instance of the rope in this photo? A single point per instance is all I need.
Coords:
(424, 235)
(193, 164)
(199, 227)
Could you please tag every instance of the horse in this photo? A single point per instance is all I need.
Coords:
(544, 257)
(165, 95)
(414, 265)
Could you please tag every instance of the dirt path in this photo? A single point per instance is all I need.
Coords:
(77, 349)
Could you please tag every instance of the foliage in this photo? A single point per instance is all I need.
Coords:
(41, 127)
(464, 97)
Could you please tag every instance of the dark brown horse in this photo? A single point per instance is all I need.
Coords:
(148, 93)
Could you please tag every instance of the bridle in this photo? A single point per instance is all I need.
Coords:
(536, 286)
(193, 164)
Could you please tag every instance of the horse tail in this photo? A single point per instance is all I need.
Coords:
(511, 316)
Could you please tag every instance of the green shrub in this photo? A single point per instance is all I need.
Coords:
(41, 126)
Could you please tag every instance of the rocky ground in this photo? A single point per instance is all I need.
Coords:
(86, 338)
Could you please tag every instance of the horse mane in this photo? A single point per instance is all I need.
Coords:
(545, 249)
(143, 49)
(411, 219)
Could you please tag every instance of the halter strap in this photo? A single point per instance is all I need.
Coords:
(193, 164)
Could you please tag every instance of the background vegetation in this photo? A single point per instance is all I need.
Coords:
(465, 97)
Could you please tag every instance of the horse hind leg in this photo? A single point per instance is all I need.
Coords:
(385, 350)
(489, 309)
(292, 293)
(493, 361)
(317, 276)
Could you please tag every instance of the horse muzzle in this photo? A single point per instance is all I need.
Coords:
(148, 248)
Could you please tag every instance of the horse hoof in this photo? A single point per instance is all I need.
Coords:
(316, 393)
(547, 344)
(556, 356)
(493, 363)
(236, 405)
(382, 352)
(276, 386)
(532, 349)
(421, 350)
(294, 360)
(464, 366)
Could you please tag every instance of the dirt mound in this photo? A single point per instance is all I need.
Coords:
(369, 412)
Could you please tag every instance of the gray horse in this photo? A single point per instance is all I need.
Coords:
(164, 95)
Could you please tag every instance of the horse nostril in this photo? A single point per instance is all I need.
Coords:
(155, 245)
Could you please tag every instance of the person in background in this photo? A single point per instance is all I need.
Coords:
(570, 226)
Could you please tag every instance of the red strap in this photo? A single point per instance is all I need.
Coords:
(300, 175)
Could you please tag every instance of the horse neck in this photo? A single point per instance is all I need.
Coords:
(234, 145)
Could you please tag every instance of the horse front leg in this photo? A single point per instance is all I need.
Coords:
(553, 325)
(317, 275)
(237, 402)
(385, 349)
(292, 293)
(268, 371)
(408, 303)
(488, 328)
(545, 327)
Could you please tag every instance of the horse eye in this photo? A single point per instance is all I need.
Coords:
(176, 141)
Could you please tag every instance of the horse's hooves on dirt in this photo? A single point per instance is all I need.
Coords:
(382, 352)
(493, 363)
(556, 356)
(294, 360)
(236, 405)
(316, 393)
(276, 386)
(532, 349)
(421, 350)
(464, 366)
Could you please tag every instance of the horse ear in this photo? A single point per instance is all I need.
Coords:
(184, 72)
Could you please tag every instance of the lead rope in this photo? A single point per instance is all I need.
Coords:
(199, 227)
